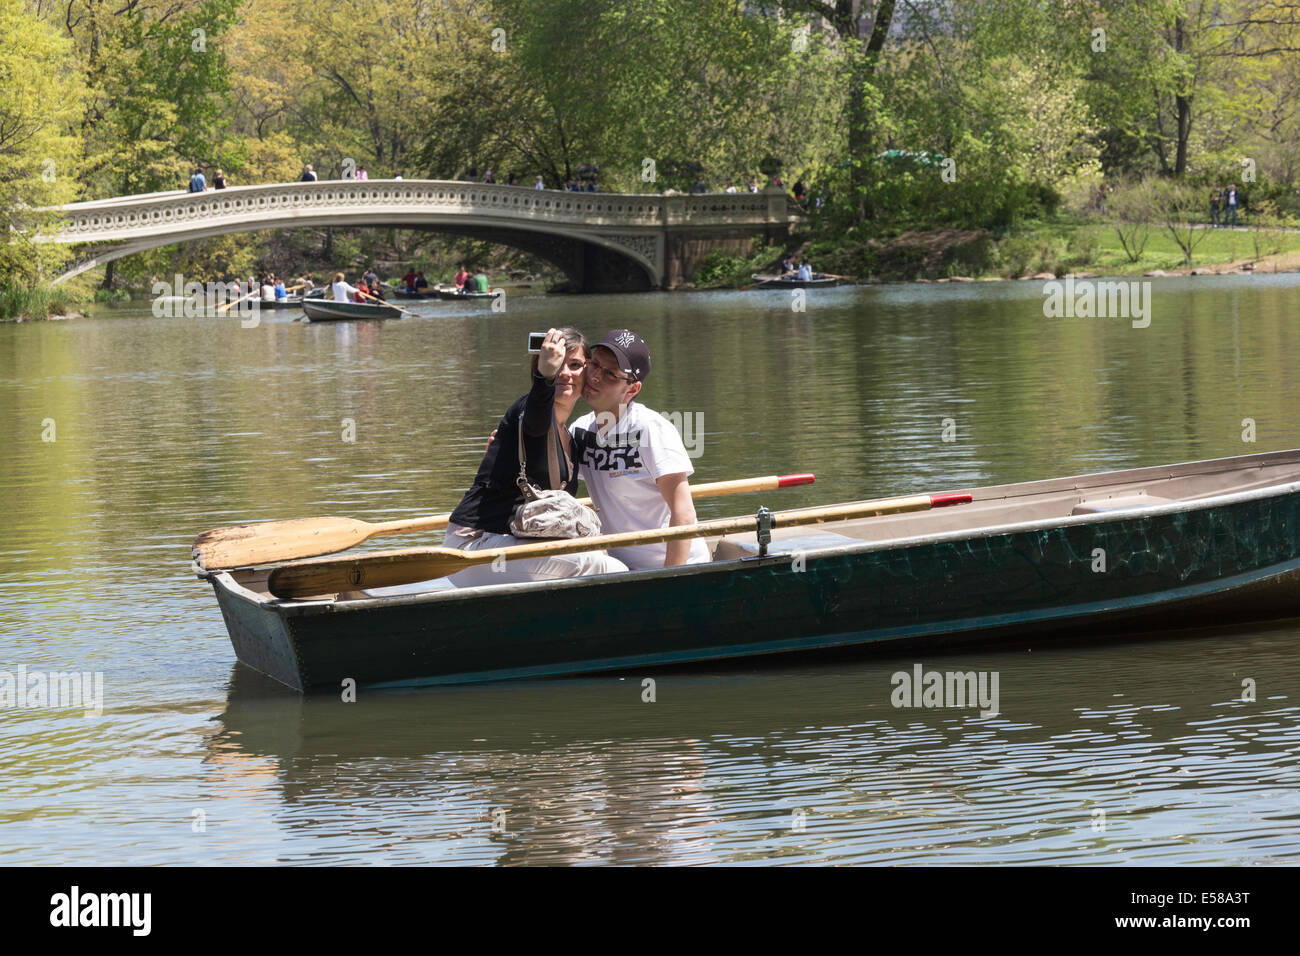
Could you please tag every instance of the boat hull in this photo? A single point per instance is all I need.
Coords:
(773, 282)
(1230, 559)
(328, 311)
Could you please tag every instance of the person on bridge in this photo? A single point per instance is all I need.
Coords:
(198, 183)
(699, 187)
(461, 278)
(362, 175)
(537, 183)
(308, 175)
(219, 180)
(342, 290)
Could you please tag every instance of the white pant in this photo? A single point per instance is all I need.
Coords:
(528, 569)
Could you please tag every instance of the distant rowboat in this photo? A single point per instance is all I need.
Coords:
(818, 281)
(452, 293)
(329, 311)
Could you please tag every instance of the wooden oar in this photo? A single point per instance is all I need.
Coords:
(755, 285)
(249, 544)
(385, 302)
(392, 568)
(223, 308)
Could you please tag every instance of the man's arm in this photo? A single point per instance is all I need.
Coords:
(676, 490)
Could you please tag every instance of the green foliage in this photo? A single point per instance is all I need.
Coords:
(40, 107)
(726, 270)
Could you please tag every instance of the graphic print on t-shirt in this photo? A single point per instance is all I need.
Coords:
(618, 453)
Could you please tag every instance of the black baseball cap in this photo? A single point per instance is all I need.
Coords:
(630, 351)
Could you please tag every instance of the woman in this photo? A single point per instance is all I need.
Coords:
(482, 519)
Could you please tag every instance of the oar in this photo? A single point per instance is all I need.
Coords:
(249, 544)
(223, 308)
(385, 302)
(755, 285)
(392, 568)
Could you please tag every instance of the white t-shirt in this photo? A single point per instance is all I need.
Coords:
(341, 291)
(621, 468)
(268, 293)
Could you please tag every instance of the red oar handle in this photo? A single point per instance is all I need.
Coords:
(939, 501)
(789, 481)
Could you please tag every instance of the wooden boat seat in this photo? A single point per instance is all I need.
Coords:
(793, 539)
(1118, 503)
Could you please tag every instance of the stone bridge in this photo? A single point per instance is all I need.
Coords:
(603, 242)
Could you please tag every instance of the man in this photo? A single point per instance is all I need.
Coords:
(538, 184)
(371, 277)
(1230, 214)
(308, 175)
(481, 281)
(341, 289)
(633, 460)
(198, 183)
(699, 187)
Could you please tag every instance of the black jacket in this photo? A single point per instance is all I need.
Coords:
(493, 497)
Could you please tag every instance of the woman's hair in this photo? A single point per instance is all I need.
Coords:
(573, 339)
(338, 277)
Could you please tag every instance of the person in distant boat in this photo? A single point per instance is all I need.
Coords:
(280, 292)
(198, 183)
(788, 266)
(343, 292)
(408, 280)
(805, 271)
(421, 283)
(375, 290)
(268, 289)
(308, 175)
(461, 278)
(219, 180)
(480, 282)
(371, 277)
(633, 460)
(307, 284)
(481, 522)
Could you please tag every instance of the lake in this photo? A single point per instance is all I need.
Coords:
(127, 434)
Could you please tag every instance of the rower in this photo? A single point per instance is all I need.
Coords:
(805, 272)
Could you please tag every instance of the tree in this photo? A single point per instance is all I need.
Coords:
(40, 105)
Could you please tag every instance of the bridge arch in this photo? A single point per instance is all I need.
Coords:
(602, 241)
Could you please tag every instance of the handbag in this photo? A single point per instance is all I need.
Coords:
(553, 512)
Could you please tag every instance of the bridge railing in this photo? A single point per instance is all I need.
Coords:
(127, 216)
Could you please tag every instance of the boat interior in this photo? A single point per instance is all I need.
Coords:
(992, 506)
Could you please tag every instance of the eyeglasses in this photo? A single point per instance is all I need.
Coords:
(599, 371)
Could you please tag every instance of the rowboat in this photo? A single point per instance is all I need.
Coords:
(1141, 550)
(457, 294)
(818, 281)
(330, 311)
(428, 293)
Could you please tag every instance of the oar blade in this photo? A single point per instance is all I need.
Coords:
(270, 541)
(377, 570)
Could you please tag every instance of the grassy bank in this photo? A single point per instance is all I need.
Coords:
(19, 305)
(1057, 247)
